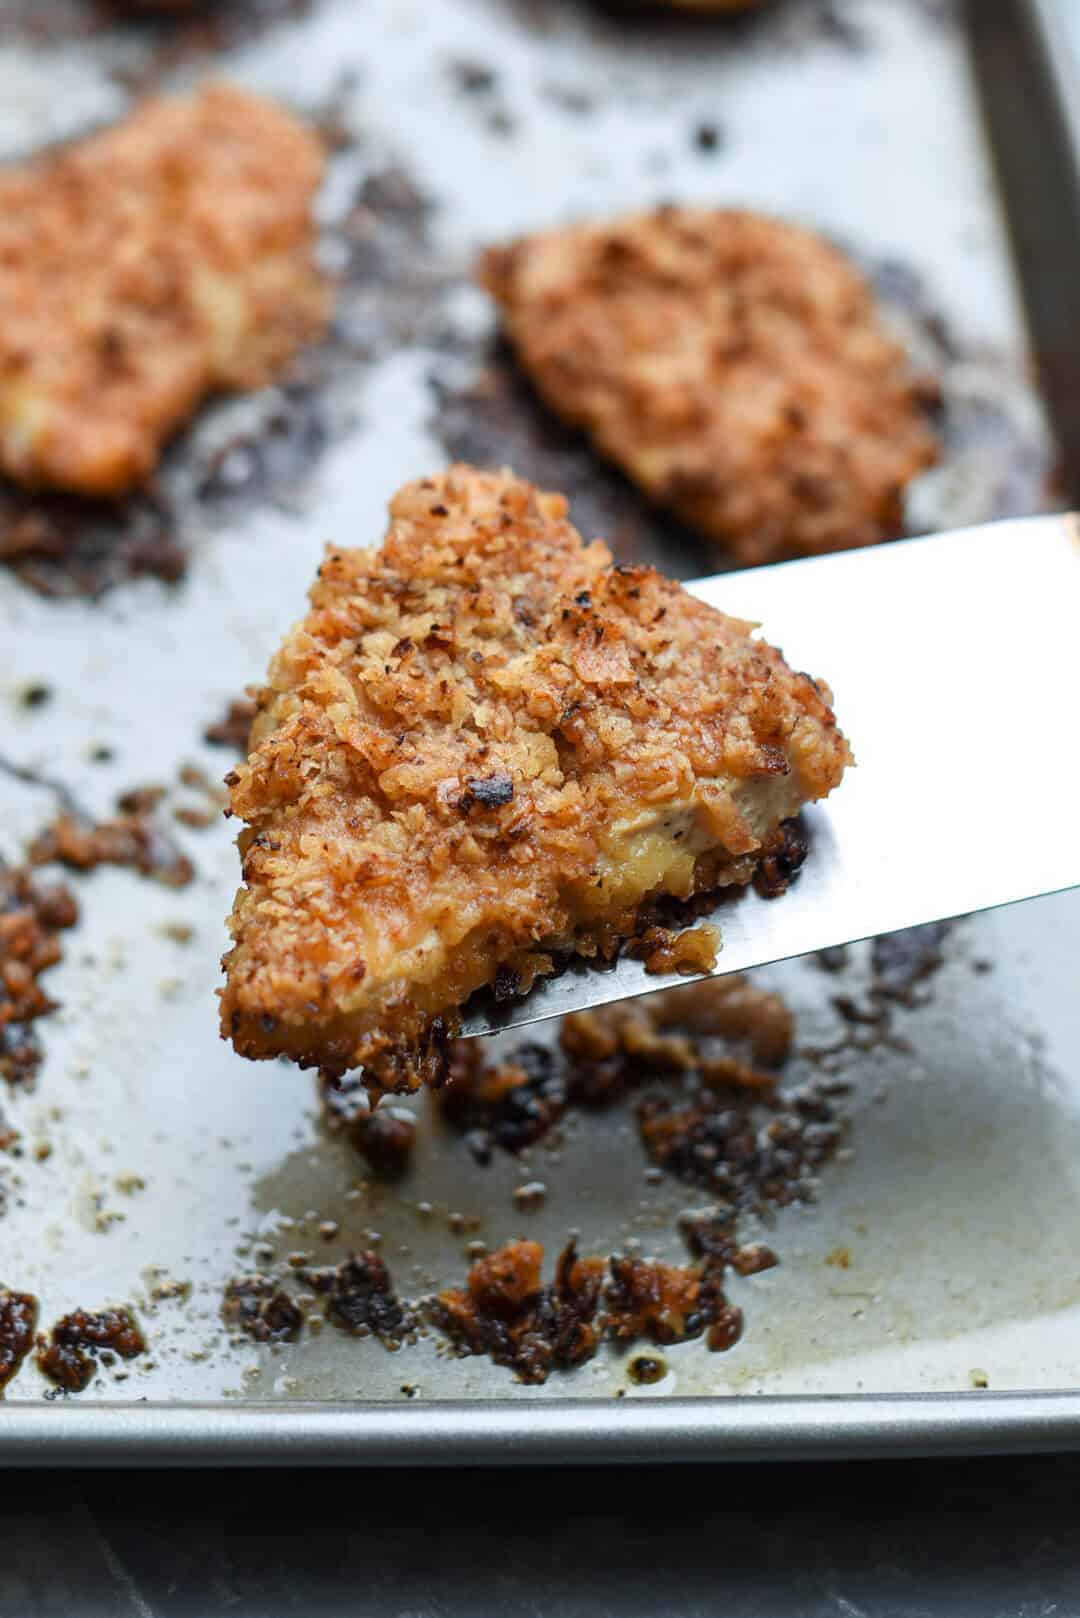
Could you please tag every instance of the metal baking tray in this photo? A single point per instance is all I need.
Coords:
(956, 1208)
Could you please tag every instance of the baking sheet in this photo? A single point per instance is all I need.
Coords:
(957, 1207)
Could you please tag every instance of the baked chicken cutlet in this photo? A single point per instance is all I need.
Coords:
(144, 268)
(732, 364)
(486, 747)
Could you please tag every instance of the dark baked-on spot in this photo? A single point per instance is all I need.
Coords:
(18, 1322)
(134, 837)
(234, 727)
(508, 1313)
(254, 1305)
(385, 1139)
(32, 916)
(80, 1340)
(360, 1298)
(901, 961)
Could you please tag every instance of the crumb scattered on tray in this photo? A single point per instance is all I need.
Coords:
(254, 1305)
(234, 727)
(74, 1346)
(727, 1031)
(733, 364)
(384, 1138)
(134, 837)
(360, 1298)
(18, 1323)
(901, 961)
(508, 1313)
(32, 916)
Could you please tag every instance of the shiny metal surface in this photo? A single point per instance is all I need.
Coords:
(959, 1204)
(954, 676)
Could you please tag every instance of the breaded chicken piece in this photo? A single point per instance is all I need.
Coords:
(485, 746)
(731, 364)
(141, 270)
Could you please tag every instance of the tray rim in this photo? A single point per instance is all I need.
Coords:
(492, 1432)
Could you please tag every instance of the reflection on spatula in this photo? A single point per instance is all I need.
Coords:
(955, 666)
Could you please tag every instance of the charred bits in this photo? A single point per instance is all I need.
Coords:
(81, 1340)
(18, 1322)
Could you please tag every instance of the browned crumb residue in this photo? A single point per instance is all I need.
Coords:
(360, 1298)
(234, 727)
(255, 1306)
(724, 1031)
(134, 836)
(18, 1323)
(32, 916)
(454, 738)
(384, 1139)
(732, 364)
(508, 1313)
(80, 1340)
(670, 1303)
(142, 269)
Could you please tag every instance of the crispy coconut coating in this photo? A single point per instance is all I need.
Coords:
(141, 270)
(732, 364)
(482, 746)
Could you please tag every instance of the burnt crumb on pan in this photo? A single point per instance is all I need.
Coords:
(63, 545)
(901, 961)
(507, 1312)
(707, 137)
(84, 1338)
(234, 726)
(18, 1323)
(472, 77)
(254, 1305)
(360, 1298)
(384, 1138)
(35, 695)
(204, 802)
(33, 914)
(508, 1104)
(728, 1030)
(134, 837)
(645, 1369)
(750, 1148)
(670, 1303)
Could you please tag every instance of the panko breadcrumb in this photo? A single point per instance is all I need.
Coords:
(485, 746)
(144, 268)
(732, 364)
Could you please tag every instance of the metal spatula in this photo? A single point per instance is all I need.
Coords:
(955, 666)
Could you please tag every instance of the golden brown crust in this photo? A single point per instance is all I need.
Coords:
(484, 741)
(731, 363)
(144, 268)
